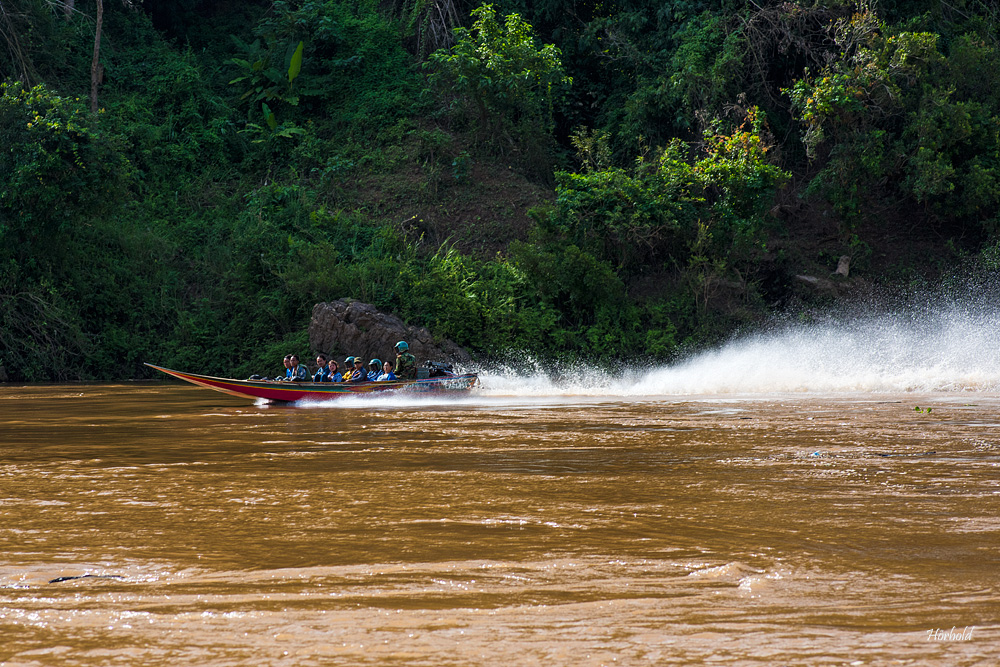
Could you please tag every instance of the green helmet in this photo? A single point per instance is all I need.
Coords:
(375, 362)
(402, 346)
(349, 361)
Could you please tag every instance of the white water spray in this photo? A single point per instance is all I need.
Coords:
(950, 348)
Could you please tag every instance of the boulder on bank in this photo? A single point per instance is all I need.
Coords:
(818, 285)
(843, 266)
(837, 286)
(345, 327)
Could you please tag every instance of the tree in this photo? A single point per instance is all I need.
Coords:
(96, 69)
(901, 118)
(507, 82)
(56, 169)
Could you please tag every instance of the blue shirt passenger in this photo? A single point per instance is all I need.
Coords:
(322, 372)
(332, 373)
(359, 374)
(386, 375)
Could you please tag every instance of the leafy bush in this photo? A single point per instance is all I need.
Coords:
(898, 114)
(649, 216)
(56, 169)
(507, 83)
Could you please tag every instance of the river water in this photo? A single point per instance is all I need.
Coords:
(738, 508)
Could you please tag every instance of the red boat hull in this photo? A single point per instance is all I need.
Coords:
(323, 391)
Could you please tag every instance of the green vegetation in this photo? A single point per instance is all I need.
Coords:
(505, 83)
(595, 180)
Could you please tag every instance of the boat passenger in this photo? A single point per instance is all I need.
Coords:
(333, 374)
(322, 371)
(348, 369)
(406, 364)
(359, 374)
(288, 368)
(297, 372)
(374, 369)
(387, 374)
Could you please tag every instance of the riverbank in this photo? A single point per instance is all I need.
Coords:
(651, 199)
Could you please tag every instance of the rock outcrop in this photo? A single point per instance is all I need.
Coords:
(343, 328)
(818, 285)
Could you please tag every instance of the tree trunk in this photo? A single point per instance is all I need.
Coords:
(68, 8)
(96, 71)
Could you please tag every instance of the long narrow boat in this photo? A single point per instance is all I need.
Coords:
(324, 391)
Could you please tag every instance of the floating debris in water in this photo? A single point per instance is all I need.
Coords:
(85, 576)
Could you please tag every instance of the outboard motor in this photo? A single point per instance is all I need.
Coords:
(438, 369)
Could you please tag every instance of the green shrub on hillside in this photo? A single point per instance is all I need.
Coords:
(56, 169)
(505, 83)
(896, 118)
(649, 216)
(351, 73)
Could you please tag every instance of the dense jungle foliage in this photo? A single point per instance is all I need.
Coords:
(561, 178)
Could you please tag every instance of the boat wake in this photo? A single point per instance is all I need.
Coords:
(956, 348)
(947, 348)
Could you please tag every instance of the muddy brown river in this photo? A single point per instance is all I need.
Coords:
(160, 524)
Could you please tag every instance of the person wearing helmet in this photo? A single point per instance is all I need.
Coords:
(348, 369)
(406, 363)
(374, 369)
